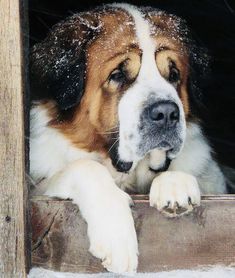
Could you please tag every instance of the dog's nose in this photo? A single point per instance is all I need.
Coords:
(164, 114)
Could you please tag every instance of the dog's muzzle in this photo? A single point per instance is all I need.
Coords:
(160, 127)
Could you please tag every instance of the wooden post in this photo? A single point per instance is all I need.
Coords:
(13, 194)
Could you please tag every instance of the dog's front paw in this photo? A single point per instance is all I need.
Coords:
(113, 238)
(174, 193)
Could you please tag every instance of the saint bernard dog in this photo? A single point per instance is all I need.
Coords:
(114, 92)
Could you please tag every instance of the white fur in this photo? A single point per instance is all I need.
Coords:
(173, 189)
(50, 150)
(149, 82)
(157, 159)
(79, 175)
(195, 159)
(106, 210)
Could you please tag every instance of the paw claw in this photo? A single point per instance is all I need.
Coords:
(167, 206)
(172, 193)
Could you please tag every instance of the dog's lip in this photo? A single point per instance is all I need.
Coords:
(119, 164)
(123, 166)
(164, 145)
(162, 168)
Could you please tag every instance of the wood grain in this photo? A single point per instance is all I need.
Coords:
(12, 182)
(205, 237)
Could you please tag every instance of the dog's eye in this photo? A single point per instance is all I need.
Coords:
(117, 76)
(174, 75)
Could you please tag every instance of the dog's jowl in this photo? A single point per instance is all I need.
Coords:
(113, 112)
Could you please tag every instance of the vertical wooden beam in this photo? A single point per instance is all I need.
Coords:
(13, 193)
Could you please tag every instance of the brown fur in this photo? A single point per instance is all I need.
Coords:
(171, 46)
(96, 115)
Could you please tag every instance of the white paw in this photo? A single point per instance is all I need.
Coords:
(113, 237)
(174, 193)
(105, 208)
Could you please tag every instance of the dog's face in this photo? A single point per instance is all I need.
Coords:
(116, 80)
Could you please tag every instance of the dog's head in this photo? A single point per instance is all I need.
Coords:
(117, 80)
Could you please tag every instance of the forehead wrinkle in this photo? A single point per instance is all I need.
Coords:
(113, 57)
(129, 49)
(116, 38)
(148, 72)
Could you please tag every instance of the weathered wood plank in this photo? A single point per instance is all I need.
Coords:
(12, 181)
(206, 237)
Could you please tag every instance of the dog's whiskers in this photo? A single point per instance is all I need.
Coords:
(113, 145)
(108, 132)
(114, 138)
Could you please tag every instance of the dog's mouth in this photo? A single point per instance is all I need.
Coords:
(117, 162)
(125, 166)
(164, 145)
(122, 166)
(163, 168)
(169, 145)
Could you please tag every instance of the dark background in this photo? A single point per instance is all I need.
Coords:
(213, 25)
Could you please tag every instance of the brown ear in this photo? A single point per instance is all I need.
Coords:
(58, 64)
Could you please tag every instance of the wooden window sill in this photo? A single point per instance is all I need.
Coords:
(202, 238)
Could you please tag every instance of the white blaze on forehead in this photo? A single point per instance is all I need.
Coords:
(149, 83)
(146, 43)
(142, 26)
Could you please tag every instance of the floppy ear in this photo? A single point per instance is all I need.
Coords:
(68, 89)
(199, 78)
(58, 64)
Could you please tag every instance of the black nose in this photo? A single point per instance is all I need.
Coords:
(164, 113)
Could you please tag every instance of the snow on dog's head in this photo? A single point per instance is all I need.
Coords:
(115, 81)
